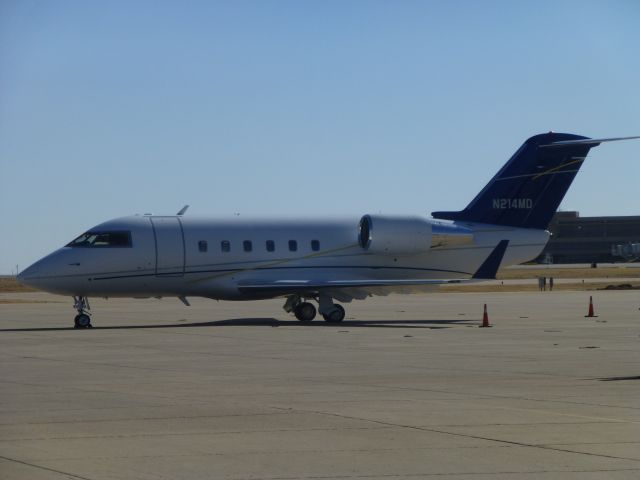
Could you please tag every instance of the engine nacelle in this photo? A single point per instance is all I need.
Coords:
(395, 235)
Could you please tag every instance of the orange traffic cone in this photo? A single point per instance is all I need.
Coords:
(485, 318)
(590, 313)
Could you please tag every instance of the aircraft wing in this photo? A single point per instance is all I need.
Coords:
(310, 285)
(341, 290)
(347, 289)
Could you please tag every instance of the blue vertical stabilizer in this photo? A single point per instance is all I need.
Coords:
(527, 191)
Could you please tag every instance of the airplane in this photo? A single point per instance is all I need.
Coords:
(323, 261)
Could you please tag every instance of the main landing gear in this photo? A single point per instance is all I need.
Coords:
(83, 318)
(306, 311)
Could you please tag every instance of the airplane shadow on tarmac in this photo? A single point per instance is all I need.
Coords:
(618, 379)
(272, 322)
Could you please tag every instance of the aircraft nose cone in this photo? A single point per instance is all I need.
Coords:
(51, 274)
(26, 275)
(41, 274)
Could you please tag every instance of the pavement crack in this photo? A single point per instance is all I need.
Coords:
(439, 474)
(487, 395)
(129, 419)
(184, 434)
(70, 475)
(463, 435)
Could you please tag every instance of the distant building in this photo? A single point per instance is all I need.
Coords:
(576, 239)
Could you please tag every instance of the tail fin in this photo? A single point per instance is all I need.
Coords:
(527, 191)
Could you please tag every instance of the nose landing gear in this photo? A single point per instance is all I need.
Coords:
(83, 318)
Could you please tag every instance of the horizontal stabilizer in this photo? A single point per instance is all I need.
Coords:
(587, 141)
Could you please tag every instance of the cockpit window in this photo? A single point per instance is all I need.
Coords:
(102, 239)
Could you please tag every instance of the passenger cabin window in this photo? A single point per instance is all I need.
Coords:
(202, 246)
(225, 246)
(271, 246)
(102, 239)
(247, 246)
(293, 246)
(315, 245)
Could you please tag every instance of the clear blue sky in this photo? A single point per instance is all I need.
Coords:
(299, 108)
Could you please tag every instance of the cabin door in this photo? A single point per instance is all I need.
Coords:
(170, 253)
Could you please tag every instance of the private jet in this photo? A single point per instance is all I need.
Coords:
(323, 262)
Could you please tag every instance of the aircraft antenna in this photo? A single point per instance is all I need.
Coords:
(182, 210)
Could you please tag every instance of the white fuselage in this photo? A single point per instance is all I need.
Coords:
(209, 257)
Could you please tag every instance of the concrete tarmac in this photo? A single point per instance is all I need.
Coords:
(411, 389)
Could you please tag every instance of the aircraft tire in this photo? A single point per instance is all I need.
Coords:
(82, 320)
(336, 315)
(305, 312)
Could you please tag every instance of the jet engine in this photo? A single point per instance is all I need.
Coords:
(399, 235)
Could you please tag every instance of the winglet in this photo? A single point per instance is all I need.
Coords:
(490, 266)
(182, 210)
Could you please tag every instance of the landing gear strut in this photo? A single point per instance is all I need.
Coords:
(83, 318)
(331, 312)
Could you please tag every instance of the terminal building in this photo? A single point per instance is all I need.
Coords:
(576, 239)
